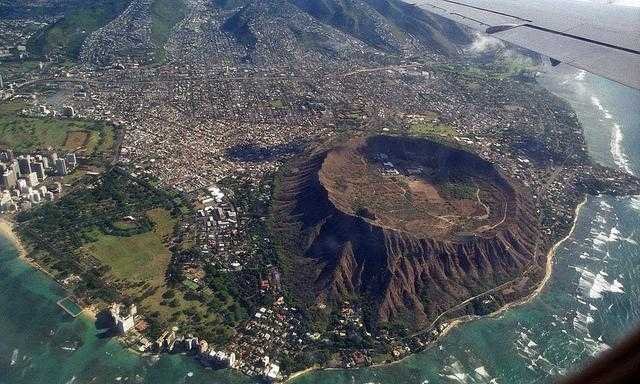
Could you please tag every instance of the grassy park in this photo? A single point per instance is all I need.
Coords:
(26, 134)
(426, 128)
(139, 257)
(116, 237)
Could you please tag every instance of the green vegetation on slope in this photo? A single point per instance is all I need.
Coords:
(67, 34)
(511, 67)
(165, 14)
(25, 134)
(458, 190)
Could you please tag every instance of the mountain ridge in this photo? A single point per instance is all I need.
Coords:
(258, 32)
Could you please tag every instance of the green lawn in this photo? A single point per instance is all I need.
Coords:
(25, 134)
(426, 128)
(503, 68)
(122, 224)
(276, 104)
(138, 257)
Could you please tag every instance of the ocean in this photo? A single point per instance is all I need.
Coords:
(590, 301)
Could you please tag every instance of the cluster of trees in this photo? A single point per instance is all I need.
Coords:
(458, 190)
(59, 229)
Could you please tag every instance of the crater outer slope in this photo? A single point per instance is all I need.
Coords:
(408, 227)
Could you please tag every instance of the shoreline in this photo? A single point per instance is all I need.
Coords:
(89, 312)
(8, 232)
(549, 266)
(464, 319)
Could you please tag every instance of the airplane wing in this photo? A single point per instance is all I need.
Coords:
(603, 39)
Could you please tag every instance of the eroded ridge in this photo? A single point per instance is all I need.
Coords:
(409, 227)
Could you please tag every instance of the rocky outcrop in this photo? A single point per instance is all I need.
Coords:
(406, 277)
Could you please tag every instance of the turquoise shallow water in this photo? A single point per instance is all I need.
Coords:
(590, 302)
(40, 343)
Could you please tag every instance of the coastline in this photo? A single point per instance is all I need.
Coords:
(297, 374)
(7, 231)
(461, 320)
(549, 267)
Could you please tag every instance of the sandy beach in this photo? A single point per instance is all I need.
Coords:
(6, 230)
(301, 373)
(549, 266)
(90, 312)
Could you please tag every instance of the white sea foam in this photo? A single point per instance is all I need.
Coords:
(602, 237)
(596, 102)
(482, 372)
(605, 206)
(592, 285)
(619, 157)
(457, 373)
(14, 357)
(634, 203)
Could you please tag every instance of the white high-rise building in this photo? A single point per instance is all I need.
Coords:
(38, 168)
(9, 179)
(35, 197)
(24, 162)
(32, 179)
(124, 318)
(71, 160)
(22, 186)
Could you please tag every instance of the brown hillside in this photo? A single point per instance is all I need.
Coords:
(408, 226)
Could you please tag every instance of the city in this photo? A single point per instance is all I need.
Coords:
(143, 162)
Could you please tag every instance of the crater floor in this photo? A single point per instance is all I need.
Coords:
(416, 186)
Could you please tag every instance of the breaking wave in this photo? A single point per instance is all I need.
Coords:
(617, 151)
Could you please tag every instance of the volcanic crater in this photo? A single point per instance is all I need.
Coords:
(410, 228)
(416, 186)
